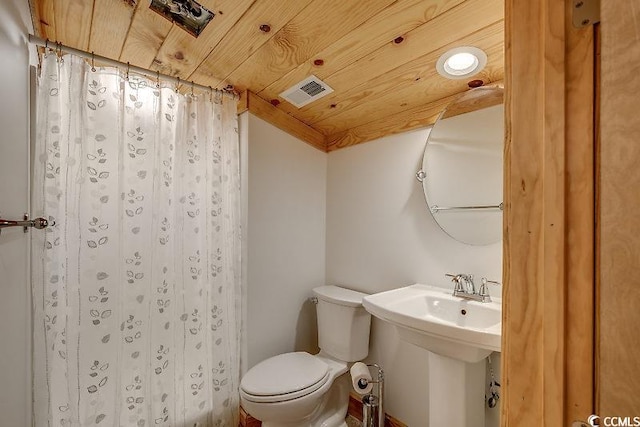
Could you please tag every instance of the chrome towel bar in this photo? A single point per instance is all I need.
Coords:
(26, 223)
(436, 208)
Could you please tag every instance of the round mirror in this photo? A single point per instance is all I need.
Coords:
(462, 167)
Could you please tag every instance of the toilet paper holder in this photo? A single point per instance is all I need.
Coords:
(372, 401)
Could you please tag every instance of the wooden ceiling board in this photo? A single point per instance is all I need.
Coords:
(373, 111)
(415, 118)
(181, 53)
(146, 34)
(380, 86)
(319, 25)
(400, 78)
(392, 22)
(466, 18)
(43, 16)
(73, 19)
(392, 99)
(410, 119)
(245, 38)
(111, 22)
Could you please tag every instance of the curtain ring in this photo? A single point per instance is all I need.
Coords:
(59, 44)
(93, 62)
(158, 79)
(128, 67)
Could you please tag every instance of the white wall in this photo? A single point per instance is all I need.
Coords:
(15, 326)
(381, 236)
(286, 240)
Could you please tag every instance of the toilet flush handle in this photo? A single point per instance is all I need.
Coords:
(314, 300)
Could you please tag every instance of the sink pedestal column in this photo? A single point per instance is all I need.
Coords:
(456, 392)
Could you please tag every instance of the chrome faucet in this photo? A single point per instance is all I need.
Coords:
(465, 288)
(484, 289)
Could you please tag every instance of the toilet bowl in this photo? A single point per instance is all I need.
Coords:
(297, 389)
(303, 390)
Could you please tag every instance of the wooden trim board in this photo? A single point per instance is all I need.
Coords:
(247, 420)
(548, 236)
(580, 226)
(285, 122)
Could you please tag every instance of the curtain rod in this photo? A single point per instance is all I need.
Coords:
(38, 41)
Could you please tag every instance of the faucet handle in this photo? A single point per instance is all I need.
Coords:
(484, 289)
(457, 279)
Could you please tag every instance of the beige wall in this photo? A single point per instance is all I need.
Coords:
(286, 240)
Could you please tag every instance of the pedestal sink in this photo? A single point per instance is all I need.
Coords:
(461, 334)
(432, 318)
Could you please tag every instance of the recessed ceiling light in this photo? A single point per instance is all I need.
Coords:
(461, 62)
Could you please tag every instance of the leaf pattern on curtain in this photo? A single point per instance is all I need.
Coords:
(136, 289)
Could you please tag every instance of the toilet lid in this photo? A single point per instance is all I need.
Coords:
(285, 374)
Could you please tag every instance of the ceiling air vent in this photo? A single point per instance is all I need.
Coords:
(306, 91)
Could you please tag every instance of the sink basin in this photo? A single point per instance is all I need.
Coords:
(432, 318)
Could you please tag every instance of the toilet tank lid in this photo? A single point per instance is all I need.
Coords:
(338, 295)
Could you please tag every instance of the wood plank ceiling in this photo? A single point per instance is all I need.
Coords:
(378, 55)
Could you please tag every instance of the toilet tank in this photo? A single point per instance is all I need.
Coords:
(343, 324)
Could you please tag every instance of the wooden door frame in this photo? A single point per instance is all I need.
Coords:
(548, 269)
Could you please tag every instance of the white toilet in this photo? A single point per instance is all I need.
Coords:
(304, 390)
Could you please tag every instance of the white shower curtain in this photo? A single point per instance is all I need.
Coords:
(136, 289)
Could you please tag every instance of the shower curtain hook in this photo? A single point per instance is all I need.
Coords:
(158, 79)
(192, 88)
(177, 84)
(93, 62)
(128, 67)
(210, 94)
(59, 44)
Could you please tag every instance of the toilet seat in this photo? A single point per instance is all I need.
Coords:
(284, 377)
